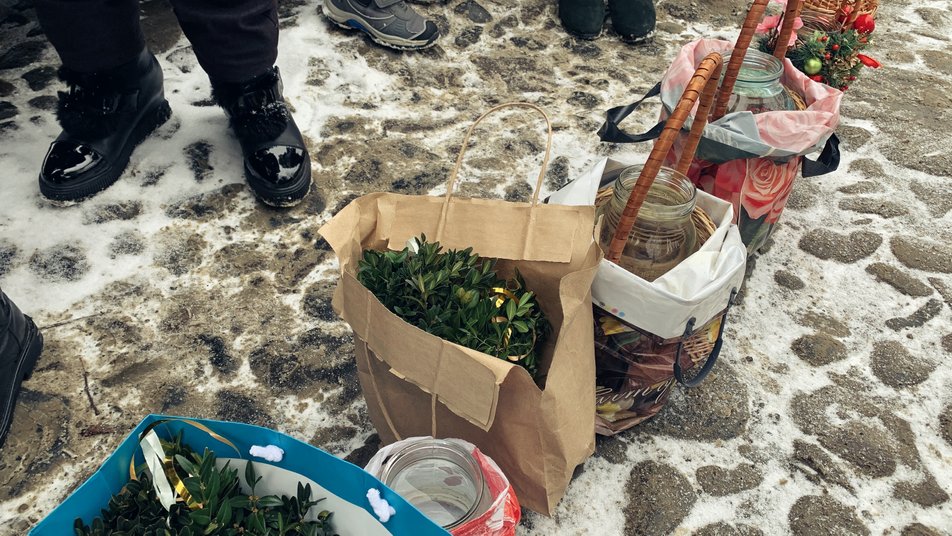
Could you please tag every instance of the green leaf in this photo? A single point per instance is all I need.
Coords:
(187, 465)
(524, 299)
(510, 309)
(239, 502)
(200, 518)
(213, 486)
(257, 522)
(224, 514)
(269, 501)
(250, 476)
(194, 487)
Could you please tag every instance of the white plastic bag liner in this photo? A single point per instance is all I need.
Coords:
(699, 287)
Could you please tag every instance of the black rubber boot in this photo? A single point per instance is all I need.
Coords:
(633, 20)
(20, 346)
(582, 18)
(104, 116)
(277, 165)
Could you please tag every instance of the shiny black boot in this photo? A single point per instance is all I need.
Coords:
(277, 165)
(20, 347)
(104, 116)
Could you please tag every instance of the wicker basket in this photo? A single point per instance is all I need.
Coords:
(625, 396)
(833, 7)
(636, 370)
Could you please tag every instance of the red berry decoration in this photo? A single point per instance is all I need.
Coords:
(824, 39)
(864, 23)
(844, 88)
(835, 47)
(827, 56)
(817, 78)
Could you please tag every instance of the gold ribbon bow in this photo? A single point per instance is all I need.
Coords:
(169, 486)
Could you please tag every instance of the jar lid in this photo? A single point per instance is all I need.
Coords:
(440, 478)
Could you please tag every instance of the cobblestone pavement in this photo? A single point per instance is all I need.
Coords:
(175, 292)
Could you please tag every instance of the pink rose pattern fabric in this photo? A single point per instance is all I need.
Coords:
(798, 132)
(757, 187)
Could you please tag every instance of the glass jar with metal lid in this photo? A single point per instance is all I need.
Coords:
(664, 233)
(758, 88)
(440, 478)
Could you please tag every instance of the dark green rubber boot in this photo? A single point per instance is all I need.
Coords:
(633, 20)
(582, 18)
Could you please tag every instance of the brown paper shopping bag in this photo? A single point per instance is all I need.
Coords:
(418, 384)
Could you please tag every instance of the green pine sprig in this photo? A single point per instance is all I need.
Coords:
(837, 51)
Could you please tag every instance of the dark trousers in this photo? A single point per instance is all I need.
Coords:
(234, 40)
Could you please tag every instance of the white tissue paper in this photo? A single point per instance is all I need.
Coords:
(270, 453)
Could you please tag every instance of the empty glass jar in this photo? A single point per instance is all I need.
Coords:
(758, 88)
(440, 478)
(663, 234)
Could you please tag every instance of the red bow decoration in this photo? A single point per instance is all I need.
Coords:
(869, 62)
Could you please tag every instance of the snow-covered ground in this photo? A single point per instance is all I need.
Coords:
(173, 291)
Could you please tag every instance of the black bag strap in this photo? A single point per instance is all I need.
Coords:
(711, 358)
(610, 131)
(828, 161)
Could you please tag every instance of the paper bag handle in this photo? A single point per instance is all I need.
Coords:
(703, 85)
(451, 182)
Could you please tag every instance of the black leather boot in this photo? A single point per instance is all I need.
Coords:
(104, 116)
(582, 18)
(634, 20)
(277, 165)
(20, 347)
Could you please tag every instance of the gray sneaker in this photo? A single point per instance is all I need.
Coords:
(390, 23)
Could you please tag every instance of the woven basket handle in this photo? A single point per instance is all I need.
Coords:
(754, 16)
(703, 85)
(789, 18)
